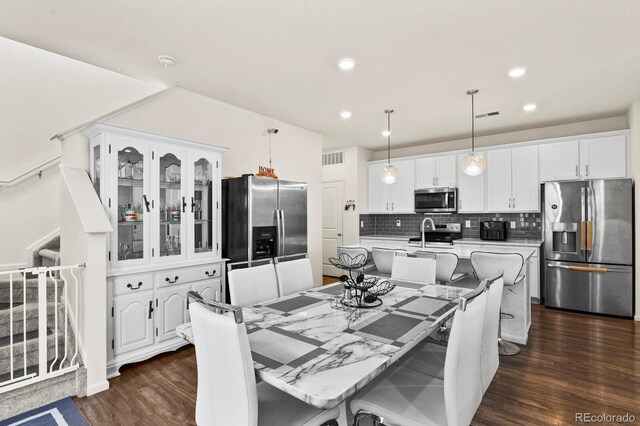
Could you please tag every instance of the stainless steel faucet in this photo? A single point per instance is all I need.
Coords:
(433, 226)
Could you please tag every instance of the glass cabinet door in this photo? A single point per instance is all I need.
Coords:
(203, 205)
(131, 203)
(171, 204)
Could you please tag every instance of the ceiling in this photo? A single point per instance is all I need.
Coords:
(278, 58)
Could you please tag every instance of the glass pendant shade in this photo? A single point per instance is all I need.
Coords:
(389, 174)
(473, 164)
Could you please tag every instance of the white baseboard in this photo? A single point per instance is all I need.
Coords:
(636, 318)
(29, 250)
(12, 266)
(97, 387)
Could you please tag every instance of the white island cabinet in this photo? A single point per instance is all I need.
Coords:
(162, 195)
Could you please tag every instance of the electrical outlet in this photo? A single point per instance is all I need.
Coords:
(513, 224)
(362, 224)
(467, 224)
(398, 223)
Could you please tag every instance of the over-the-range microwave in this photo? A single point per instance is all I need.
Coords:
(436, 200)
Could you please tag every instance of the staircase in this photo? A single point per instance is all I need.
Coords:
(25, 383)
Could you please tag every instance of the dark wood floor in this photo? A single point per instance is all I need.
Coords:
(573, 363)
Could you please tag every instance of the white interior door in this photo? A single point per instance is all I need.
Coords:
(332, 212)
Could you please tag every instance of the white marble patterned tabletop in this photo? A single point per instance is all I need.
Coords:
(306, 347)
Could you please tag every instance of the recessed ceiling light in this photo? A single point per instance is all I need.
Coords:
(529, 107)
(386, 133)
(346, 64)
(167, 61)
(345, 114)
(517, 72)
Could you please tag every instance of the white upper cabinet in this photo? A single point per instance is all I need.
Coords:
(512, 180)
(397, 197)
(425, 173)
(603, 158)
(402, 195)
(446, 171)
(378, 190)
(499, 180)
(525, 185)
(471, 191)
(560, 161)
(436, 172)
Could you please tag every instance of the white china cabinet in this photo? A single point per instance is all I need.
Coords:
(163, 198)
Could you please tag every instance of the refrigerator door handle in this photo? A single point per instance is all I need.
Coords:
(279, 233)
(284, 246)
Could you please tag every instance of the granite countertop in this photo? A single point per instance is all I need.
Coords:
(527, 242)
(463, 251)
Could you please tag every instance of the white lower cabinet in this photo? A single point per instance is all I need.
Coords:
(172, 310)
(132, 322)
(146, 307)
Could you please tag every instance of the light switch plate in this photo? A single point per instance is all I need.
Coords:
(398, 223)
(513, 224)
(362, 224)
(467, 224)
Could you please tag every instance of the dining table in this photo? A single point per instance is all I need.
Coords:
(311, 346)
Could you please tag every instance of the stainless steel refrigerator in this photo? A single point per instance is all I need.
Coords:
(263, 218)
(588, 244)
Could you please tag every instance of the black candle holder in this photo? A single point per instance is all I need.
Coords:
(361, 291)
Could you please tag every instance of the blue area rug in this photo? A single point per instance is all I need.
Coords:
(60, 413)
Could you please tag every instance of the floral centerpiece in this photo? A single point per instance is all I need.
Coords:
(360, 291)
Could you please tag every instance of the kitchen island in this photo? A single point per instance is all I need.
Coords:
(515, 299)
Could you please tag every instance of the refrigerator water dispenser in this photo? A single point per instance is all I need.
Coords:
(565, 237)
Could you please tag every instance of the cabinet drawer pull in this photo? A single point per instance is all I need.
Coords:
(184, 205)
(134, 288)
(146, 203)
(150, 308)
(210, 274)
(171, 282)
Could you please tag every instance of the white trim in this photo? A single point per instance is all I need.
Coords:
(31, 172)
(30, 250)
(97, 387)
(636, 318)
(62, 135)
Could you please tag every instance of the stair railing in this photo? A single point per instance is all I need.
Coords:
(58, 349)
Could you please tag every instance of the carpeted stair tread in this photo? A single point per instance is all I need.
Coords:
(18, 338)
(4, 306)
(49, 254)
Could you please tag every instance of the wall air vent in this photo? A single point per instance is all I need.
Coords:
(487, 114)
(332, 158)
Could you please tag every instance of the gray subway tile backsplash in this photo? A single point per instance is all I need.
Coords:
(528, 225)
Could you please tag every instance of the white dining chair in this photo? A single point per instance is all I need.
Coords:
(253, 285)
(429, 357)
(486, 265)
(404, 396)
(227, 393)
(446, 264)
(294, 275)
(383, 258)
(415, 269)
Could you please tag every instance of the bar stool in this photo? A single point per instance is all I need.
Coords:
(446, 264)
(383, 258)
(485, 265)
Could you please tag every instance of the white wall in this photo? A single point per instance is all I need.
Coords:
(634, 124)
(353, 173)
(578, 128)
(32, 210)
(296, 152)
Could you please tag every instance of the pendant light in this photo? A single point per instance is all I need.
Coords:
(389, 173)
(473, 164)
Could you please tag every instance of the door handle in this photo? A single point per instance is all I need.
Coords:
(583, 243)
(284, 236)
(589, 231)
(150, 308)
(588, 268)
(146, 203)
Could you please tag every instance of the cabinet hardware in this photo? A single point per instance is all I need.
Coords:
(109, 148)
(187, 303)
(514, 203)
(112, 311)
(153, 252)
(109, 256)
(437, 180)
(146, 203)
(210, 274)
(387, 206)
(586, 169)
(156, 331)
(113, 344)
(184, 204)
(392, 206)
(175, 280)
(193, 204)
(134, 288)
(109, 202)
(576, 170)
(433, 181)
(150, 308)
